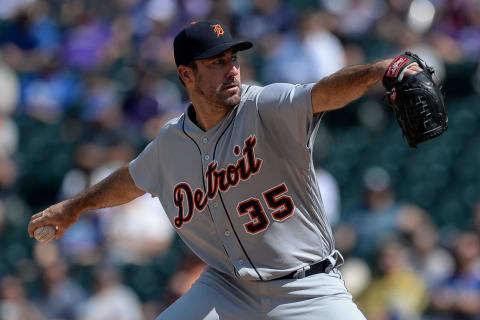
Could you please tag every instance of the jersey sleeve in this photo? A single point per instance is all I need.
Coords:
(286, 111)
(144, 168)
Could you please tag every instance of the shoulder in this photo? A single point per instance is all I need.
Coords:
(174, 122)
(261, 95)
(282, 95)
(171, 127)
(249, 90)
(274, 91)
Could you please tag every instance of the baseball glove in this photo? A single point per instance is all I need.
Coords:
(416, 100)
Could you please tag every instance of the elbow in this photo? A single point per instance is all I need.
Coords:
(324, 98)
(323, 105)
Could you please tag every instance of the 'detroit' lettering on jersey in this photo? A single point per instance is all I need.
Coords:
(217, 180)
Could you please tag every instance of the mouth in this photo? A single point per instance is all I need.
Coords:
(230, 87)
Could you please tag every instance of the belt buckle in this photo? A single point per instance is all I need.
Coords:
(300, 273)
(331, 265)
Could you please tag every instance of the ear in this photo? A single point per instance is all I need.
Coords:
(186, 74)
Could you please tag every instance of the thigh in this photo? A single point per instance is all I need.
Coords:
(213, 297)
(326, 308)
(315, 298)
(199, 303)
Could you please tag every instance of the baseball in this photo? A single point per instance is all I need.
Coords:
(45, 233)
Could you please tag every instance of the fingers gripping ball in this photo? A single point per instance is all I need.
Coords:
(45, 233)
(416, 100)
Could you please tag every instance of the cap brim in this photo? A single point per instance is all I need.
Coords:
(215, 51)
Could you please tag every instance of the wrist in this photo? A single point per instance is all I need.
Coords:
(380, 67)
(74, 206)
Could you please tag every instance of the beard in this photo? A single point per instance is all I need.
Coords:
(227, 95)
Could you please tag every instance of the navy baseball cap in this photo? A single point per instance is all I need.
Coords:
(204, 39)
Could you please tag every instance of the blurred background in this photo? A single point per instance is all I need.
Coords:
(85, 84)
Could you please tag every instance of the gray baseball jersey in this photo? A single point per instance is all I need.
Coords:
(243, 194)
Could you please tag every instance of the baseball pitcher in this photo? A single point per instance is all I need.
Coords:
(236, 178)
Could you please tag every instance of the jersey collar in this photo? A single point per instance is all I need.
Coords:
(195, 132)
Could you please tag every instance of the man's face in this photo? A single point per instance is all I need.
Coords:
(218, 79)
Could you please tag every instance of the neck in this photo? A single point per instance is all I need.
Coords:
(207, 115)
(207, 112)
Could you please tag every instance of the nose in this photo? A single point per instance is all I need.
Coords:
(233, 69)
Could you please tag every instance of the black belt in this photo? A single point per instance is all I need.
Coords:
(320, 267)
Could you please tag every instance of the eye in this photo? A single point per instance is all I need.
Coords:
(235, 58)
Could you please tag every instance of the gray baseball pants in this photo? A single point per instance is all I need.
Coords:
(216, 296)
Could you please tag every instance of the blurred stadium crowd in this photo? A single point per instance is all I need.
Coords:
(85, 84)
